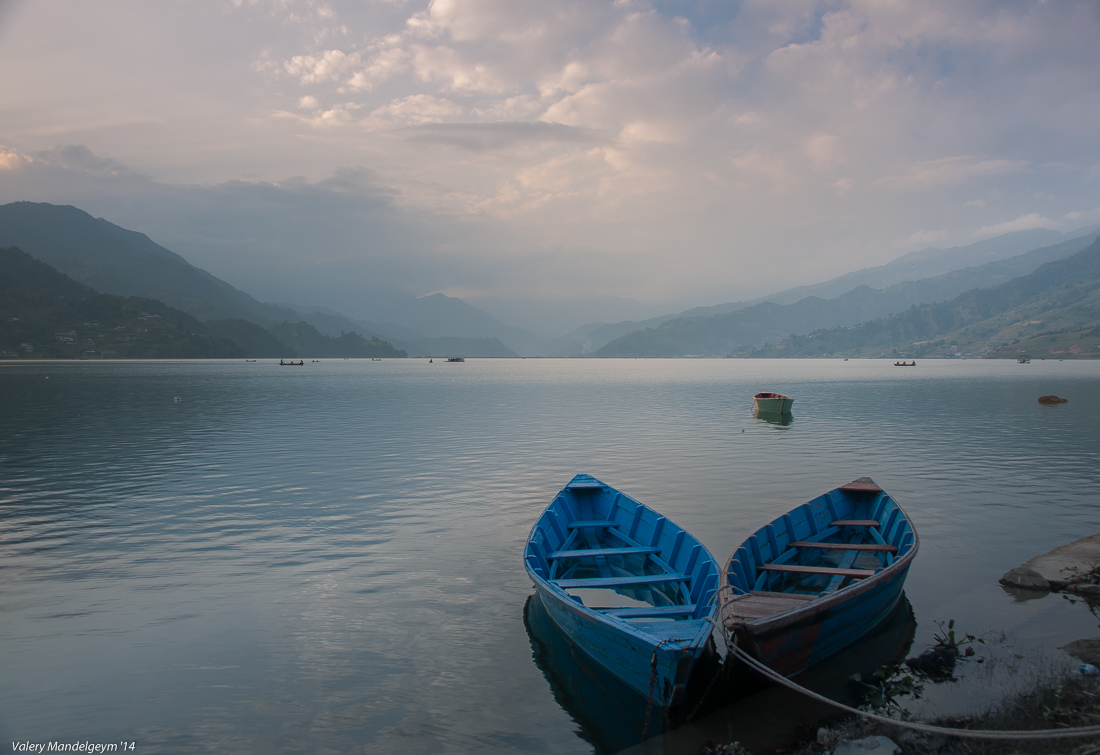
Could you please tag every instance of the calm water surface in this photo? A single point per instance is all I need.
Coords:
(328, 558)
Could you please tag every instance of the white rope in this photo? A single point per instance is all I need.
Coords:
(1081, 731)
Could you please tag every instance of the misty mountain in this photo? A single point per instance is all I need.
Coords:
(305, 340)
(550, 318)
(1060, 297)
(933, 264)
(476, 347)
(113, 260)
(437, 316)
(118, 261)
(769, 321)
(46, 314)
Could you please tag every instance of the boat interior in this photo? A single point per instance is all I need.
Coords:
(617, 557)
(821, 547)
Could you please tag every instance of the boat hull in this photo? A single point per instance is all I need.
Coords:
(818, 578)
(773, 405)
(802, 638)
(632, 590)
(656, 671)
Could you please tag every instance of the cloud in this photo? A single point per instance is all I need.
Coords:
(11, 159)
(480, 137)
(950, 170)
(680, 149)
(927, 238)
(331, 65)
(1022, 223)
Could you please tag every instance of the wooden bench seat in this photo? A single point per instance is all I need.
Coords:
(832, 571)
(580, 524)
(856, 523)
(612, 582)
(590, 552)
(649, 612)
(847, 546)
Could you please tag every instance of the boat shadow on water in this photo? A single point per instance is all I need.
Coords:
(725, 702)
(773, 418)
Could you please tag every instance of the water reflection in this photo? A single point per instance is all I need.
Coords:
(773, 418)
(727, 703)
(611, 715)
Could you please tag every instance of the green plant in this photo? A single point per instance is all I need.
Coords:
(887, 685)
(946, 639)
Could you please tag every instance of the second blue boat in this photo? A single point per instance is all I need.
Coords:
(819, 577)
(633, 590)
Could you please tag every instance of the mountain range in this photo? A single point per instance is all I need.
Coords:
(770, 321)
(116, 261)
(1052, 311)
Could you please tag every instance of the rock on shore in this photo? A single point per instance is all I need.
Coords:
(1059, 569)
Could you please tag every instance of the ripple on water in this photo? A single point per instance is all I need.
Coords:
(330, 559)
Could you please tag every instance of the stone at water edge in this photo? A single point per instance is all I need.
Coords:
(1026, 577)
(1059, 566)
(879, 745)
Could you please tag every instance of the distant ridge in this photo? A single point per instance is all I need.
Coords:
(929, 264)
(118, 261)
(1059, 297)
(45, 314)
(770, 321)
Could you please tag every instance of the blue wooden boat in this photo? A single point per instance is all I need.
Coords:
(631, 589)
(818, 578)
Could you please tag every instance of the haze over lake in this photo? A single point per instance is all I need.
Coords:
(328, 557)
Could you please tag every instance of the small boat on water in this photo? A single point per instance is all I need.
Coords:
(906, 364)
(292, 364)
(631, 589)
(456, 359)
(818, 578)
(772, 403)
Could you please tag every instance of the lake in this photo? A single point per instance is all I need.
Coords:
(328, 558)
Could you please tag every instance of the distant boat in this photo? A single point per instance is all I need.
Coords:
(292, 364)
(375, 359)
(818, 578)
(773, 403)
(456, 359)
(628, 587)
(906, 364)
(1023, 360)
(250, 360)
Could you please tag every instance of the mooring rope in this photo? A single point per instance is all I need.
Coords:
(1080, 731)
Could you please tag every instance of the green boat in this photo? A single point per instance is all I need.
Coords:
(772, 403)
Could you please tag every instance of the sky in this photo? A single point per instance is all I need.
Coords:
(670, 151)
